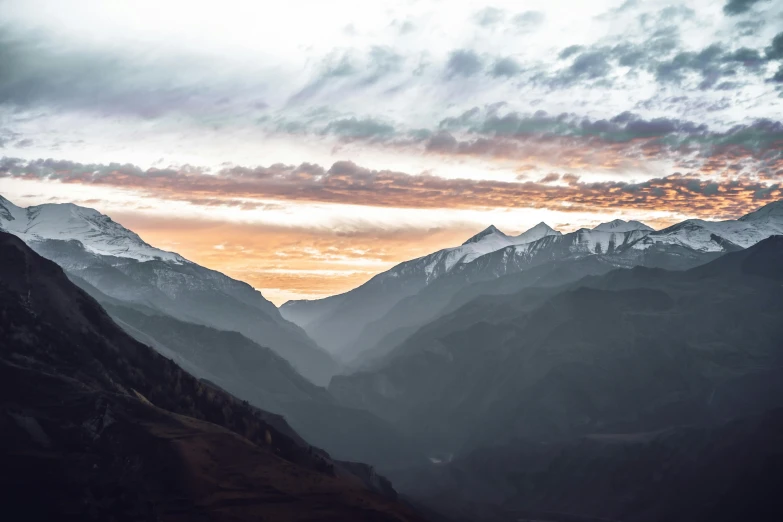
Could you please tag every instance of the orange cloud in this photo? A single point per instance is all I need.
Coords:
(347, 183)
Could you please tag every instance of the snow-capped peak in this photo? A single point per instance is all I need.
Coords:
(618, 225)
(489, 231)
(66, 221)
(772, 210)
(534, 234)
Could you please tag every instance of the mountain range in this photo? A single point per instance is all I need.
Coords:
(372, 318)
(552, 376)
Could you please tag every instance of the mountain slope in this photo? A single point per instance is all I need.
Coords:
(118, 263)
(96, 426)
(337, 321)
(631, 350)
(449, 294)
(608, 250)
(264, 379)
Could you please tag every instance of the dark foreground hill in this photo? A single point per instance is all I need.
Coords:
(97, 426)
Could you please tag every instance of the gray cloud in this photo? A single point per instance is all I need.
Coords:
(588, 65)
(715, 66)
(463, 120)
(441, 142)
(367, 128)
(350, 69)
(506, 67)
(775, 50)
(626, 141)
(749, 27)
(570, 51)
(675, 12)
(528, 20)
(735, 7)
(489, 16)
(463, 62)
(35, 70)
(712, 63)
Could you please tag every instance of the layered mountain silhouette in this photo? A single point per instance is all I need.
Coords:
(257, 374)
(628, 351)
(95, 425)
(212, 326)
(592, 375)
(121, 265)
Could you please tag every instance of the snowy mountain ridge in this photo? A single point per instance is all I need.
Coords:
(618, 225)
(66, 221)
(712, 236)
(336, 322)
(488, 240)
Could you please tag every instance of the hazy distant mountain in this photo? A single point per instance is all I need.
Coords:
(117, 262)
(435, 298)
(631, 350)
(260, 376)
(373, 318)
(450, 293)
(97, 426)
(336, 322)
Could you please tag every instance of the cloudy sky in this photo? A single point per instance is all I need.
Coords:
(303, 146)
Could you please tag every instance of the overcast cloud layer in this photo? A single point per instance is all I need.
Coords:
(303, 115)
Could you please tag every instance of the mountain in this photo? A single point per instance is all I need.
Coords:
(264, 379)
(335, 322)
(95, 231)
(720, 236)
(394, 304)
(116, 261)
(602, 251)
(449, 294)
(618, 225)
(97, 426)
(628, 351)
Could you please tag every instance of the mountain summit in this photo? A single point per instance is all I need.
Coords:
(98, 233)
(618, 225)
(489, 231)
(534, 234)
